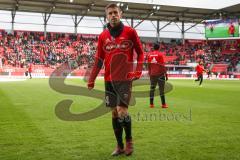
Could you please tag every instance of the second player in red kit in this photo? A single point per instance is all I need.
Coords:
(30, 68)
(200, 69)
(157, 73)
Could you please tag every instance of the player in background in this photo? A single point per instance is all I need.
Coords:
(211, 28)
(30, 68)
(231, 30)
(200, 69)
(209, 71)
(1, 64)
(115, 49)
(157, 73)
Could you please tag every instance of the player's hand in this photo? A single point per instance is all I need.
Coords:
(137, 75)
(130, 75)
(90, 85)
(134, 75)
(166, 78)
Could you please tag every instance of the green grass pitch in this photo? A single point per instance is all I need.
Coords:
(205, 124)
(220, 32)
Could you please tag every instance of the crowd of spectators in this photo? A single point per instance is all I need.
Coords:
(21, 48)
(31, 47)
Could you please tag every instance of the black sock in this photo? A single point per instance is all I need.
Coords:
(152, 95)
(118, 130)
(151, 100)
(201, 81)
(163, 99)
(127, 125)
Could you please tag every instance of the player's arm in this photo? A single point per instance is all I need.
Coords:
(149, 68)
(140, 56)
(196, 68)
(162, 64)
(166, 76)
(206, 70)
(98, 63)
(148, 60)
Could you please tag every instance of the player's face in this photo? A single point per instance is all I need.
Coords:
(113, 16)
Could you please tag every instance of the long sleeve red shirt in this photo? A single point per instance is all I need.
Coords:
(156, 64)
(199, 69)
(117, 55)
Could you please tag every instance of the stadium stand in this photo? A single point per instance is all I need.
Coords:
(23, 47)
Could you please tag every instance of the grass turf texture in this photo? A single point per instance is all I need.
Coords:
(29, 129)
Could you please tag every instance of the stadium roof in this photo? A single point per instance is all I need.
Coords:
(207, 4)
(131, 9)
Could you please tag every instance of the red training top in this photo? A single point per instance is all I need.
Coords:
(231, 29)
(117, 55)
(156, 64)
(199, 69)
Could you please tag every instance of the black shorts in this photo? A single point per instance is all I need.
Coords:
(26, 73)
(200, 76)
(118, 93)
(160, 80)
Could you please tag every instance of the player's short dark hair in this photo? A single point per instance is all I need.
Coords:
(156, 46)
(112, 5)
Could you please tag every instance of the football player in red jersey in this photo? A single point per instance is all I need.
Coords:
(30, 68)
(231, 30)
(157, 73)
(116, 45)
(200, 69)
